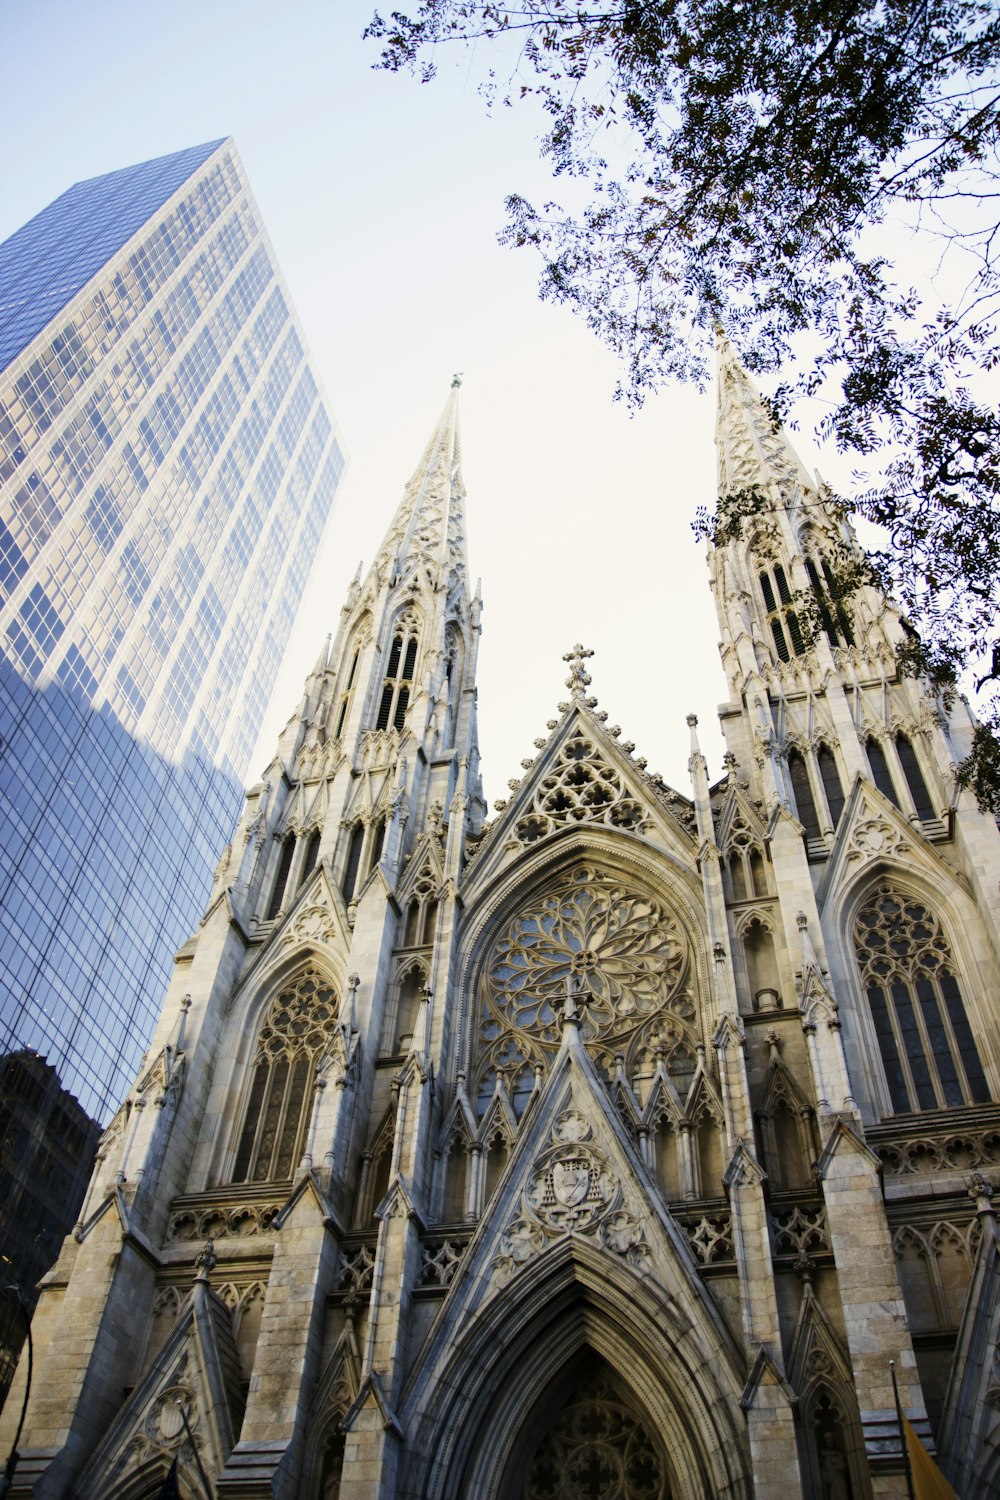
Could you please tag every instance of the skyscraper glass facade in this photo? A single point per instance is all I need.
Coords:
(167, 465)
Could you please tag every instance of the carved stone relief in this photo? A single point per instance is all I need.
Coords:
(572, 1189)
(581, 788)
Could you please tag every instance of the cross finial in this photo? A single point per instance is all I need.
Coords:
(579, 679)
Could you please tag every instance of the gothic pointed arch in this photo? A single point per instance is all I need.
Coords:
(410, 983)
(785, 1128)
(298, 1028)
(399, 674)
(336, 1389)
(831, 1442)
(916, 999)
(589, 1335)
(376, 1169)
(196, 1371)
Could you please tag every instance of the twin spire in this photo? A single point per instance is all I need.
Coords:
(752, 449)
(428, 529)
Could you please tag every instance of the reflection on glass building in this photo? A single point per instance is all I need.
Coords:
(167, 465)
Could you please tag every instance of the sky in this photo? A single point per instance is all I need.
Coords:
(383, 199)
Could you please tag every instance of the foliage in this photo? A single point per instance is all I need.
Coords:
(739, 161)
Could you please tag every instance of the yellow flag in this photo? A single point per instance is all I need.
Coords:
(928, 1481)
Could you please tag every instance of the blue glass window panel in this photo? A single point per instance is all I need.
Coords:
(47, 261)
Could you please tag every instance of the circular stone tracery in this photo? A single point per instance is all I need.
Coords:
(624, 957)
(597, 1449)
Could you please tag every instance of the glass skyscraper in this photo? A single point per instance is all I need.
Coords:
(167, 465)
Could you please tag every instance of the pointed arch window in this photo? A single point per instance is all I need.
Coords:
(281, 876)
(346, 695)
(378, 842)
(311, 857)
(296, 1031)
(786, 631)
(421, 914)
(798, 773)
(835, 620)
(926, 1044)
(353, 865)
(398, 681)
(914, 779)
(881, 775)
(830, 777)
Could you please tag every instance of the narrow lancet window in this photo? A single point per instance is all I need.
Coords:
(311, 858)
(881, 775)
(353, 860)
(830, 777)
(914, 778)
(786, 632)
(281, 876)
(398, 681)
(798, 772)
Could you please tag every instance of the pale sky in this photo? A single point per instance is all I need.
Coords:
(383, 199)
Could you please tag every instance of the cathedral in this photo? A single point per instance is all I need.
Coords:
(624, 1146)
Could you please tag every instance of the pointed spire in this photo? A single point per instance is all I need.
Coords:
(751, 450)
(323, 657)
(429, 525)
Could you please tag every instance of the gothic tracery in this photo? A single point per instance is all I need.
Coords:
(624, 957)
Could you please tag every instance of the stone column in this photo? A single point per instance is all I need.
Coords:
(874, 1311)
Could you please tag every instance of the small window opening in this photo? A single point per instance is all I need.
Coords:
(311, 859)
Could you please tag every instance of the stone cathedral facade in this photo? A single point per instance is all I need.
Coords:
(611, 1148)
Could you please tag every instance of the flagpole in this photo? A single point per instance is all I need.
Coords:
(902, 1433)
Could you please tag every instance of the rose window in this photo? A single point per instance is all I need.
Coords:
(622, 956)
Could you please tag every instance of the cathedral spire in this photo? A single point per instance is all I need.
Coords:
(428, 530)
(751, 449)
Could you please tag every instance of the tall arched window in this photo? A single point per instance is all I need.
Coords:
(928, 1051)
(914, 778)
(281, 876)
(311, 857)
(398, 680)
(881, 775)
(345, 697)
(831, 782)
(833, 615)
(782, 619)
(798, 773)
(353, 865)
(295, 1033)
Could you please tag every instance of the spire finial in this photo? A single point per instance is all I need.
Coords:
(579, 679)
(456, 380)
